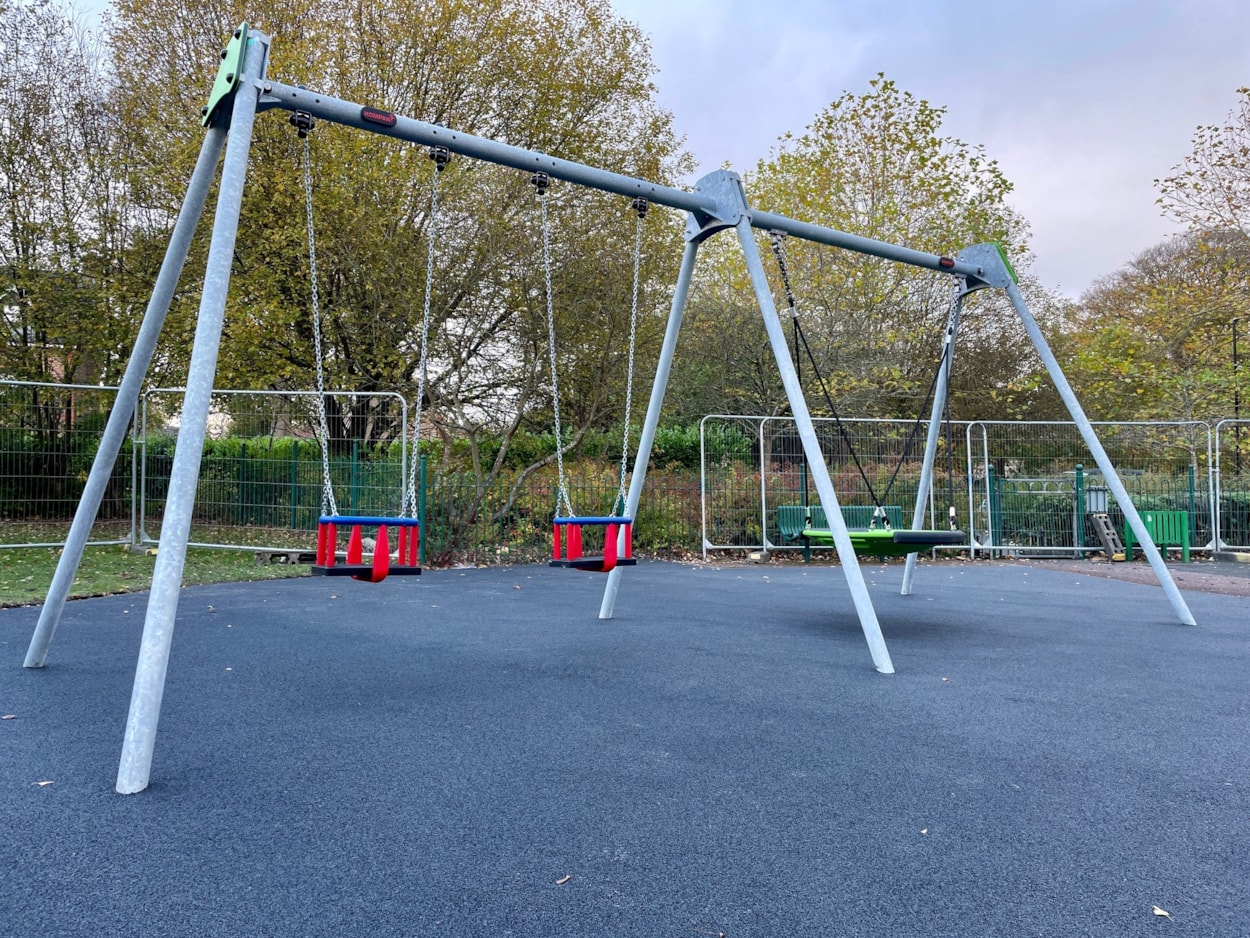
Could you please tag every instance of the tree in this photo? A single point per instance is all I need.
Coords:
(562, 76)
(1210, 189)
(875, 165)
(59, 216)
(1150, 342)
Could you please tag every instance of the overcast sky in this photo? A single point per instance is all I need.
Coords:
(1082, 102)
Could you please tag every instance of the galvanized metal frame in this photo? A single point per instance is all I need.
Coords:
(716, 204)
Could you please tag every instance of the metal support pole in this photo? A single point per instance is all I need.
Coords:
(647, 438)
(127, 397)
(1100, 457)
(811, 448)
(158, 627)
(1236, 401)
(935, 428)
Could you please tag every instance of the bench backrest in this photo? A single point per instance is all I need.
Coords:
(792, 519)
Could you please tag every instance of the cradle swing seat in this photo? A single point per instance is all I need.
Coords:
(381, 565)
(566, 549)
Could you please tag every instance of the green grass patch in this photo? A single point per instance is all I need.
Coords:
(26, 572)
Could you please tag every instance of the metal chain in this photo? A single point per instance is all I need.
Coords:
(777, 240)
(540, 181)
(441, 157)
(328, 505)
(639, 205)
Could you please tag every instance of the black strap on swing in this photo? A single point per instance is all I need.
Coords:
(777, 241)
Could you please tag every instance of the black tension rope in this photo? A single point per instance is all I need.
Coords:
(777, 239)
(778, 245)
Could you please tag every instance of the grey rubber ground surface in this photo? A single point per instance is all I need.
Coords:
(475, 753)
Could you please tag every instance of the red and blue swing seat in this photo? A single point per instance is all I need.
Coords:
(566, 546)
(380, 566)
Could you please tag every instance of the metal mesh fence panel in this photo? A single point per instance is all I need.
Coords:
(752, 466)
(1034, 485)
(49, 434)
(869, 462)
(1232, 484)
(262, 470)
(731, 499)
(512, 524)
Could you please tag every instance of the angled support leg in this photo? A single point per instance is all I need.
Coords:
(645, 441)
(127, 397)
(815, 458)
(158, 627)
(1112, 478)
(935, 429)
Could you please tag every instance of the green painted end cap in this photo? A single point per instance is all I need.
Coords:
(1006, 263)
(227, 73)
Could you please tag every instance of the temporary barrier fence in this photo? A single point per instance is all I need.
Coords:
(262, 474)
(1032, 490)
(750, 466)
(1232, 484)
(1023, 488)
(49, 434)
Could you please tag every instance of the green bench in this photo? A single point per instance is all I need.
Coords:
(793, 519)
(1166, 529)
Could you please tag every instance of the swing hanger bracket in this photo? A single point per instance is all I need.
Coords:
(540, 181)
(303, 122)
(640, 206)
(441, 157)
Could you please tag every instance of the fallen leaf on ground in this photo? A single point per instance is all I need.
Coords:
(1162, 913)
(9, 716)
(563, 879)
(45, 784)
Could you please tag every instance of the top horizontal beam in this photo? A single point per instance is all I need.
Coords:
(348, 114)
(703, 205)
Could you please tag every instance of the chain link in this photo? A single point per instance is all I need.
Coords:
(562, 495)
(328, 504)
(440, 156)
(629, 370)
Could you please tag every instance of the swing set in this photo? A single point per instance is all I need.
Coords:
(717, 203)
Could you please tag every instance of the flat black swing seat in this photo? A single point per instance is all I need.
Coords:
(809, 521)
(887, 542)
(361, 570)
(592, 563)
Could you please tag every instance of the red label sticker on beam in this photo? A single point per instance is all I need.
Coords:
(376, 116)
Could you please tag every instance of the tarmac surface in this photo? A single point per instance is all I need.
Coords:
(474, 752)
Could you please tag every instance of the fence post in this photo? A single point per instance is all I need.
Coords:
(1078, 515)
(1193, 517)
(425, 528)
(240, 515)
(807, 545)
(294, 484)
(355, 477)
(995, 511)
